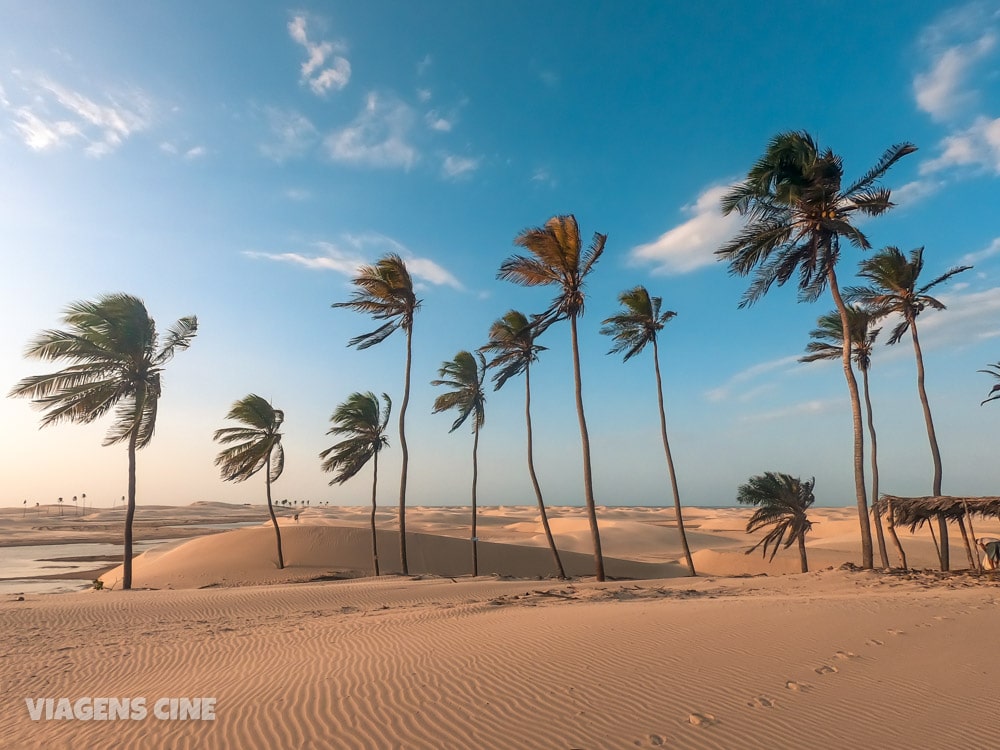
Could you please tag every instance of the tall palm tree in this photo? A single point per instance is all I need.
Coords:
(116, 364)
(385, 291)
(557, 257)
(893, 289)
(636, 325)
(361, 420)
(827, 343)
(253, 446)
(994, 393)
(512, 341)
(797, 211)
(464, 375)
(781, 501)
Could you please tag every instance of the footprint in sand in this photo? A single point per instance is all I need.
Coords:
(656, 740)
(874, 642)
(702, 719)
(846, 655)
(825, 669)
(799, 687)
(894, 631)
(761, 702)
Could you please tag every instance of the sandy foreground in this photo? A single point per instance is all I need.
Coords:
(299, 659)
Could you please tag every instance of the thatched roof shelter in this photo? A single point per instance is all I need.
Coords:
(915, 511)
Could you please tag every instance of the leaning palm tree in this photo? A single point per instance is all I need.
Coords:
(253, 446)
(117, 363)
(893, 289)
(827, 343)
(361, 420)
(512, 342)
(385, 291)
(781, 501)
(464, 375)
(558, 258)
(797, 211)
(636, 325)
(994, 393)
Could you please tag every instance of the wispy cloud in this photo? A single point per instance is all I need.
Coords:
(942, 91)
(691, 245)
(977, 146)
(423, 64)
(293, 134)
(57, 115)
(424, 95)
(377, 137)
(725, 391)
(915, 191)
(987, 252)
(543, 176)
(804, 408)
(315, 71)
(436, 121)
(454, 167)
(355, 250)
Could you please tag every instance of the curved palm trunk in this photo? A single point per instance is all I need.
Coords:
(670, 461)
(140, 405)
(932, 438)
(374, 507)
(475, 478)
(534, 478)
(879, 534)
(802, 554)
(588, 480)
(270, 509)
(406, 454)
(861, 492)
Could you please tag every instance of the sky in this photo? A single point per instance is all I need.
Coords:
(238, 161)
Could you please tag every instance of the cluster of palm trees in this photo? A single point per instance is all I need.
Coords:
(798, 211)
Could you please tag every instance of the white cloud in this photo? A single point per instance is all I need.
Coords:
(168, 148)
(691, 245)
(988, 252)
(805, 408)
(298, 194)
(293, 132)
(436, 121)
(346, 261)
(423, 64)
(423, 95)
(977, 146)
(39, 135)
(377, 137)
(195, 152)
(457, 166)
(915, 191)
(725, 391)
(334, 76)
(969, 317)
(941, 91)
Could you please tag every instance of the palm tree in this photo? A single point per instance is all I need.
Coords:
(893, 290)
(827, 343)
(112, 343)
(636, 325)
(557, 258)
(361, 420)
(994, 393)
(797, 211)
(253, 446)
(781, 501)
(385, 291)
(464, 375)
(512, 341)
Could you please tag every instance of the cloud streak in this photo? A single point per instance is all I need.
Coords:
(378, 136)
(320, 76)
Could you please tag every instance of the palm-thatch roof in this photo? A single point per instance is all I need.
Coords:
(915, 511)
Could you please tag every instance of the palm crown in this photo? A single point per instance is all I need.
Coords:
(114, 347)
(512, 342)
(385, 291)
(782, 502)
(828, 337)
(638, 324)
(361, 420)
(464, 375)
(893, 287)
(797, 210)
(257, 443)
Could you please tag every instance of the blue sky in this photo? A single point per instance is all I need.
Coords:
(239, 161)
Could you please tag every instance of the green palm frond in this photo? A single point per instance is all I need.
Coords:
(385, 292)
(828, 337)
(464, 375)
(512, 342)
(257, 440)
(111, 345)
(362, 419)
(781, 501)
(637, 324)
(994, 393)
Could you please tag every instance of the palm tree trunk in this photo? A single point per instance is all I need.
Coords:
(475, 478)
(968, 547)
(588, 480)
(972, 532)
(932, 438)
(534, 478)
(670, 461)
(133, 439)
(879, 534)
(405, 453)
(867, 556)
(374, 507)
(802, 554)
(270, 509)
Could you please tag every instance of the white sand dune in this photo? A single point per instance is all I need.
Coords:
(828, 659)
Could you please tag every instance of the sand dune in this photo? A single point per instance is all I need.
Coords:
(829, 659)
